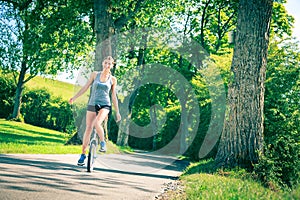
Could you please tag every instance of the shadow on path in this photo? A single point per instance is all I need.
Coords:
(57, 174)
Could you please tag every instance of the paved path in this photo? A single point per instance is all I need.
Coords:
(138, 176)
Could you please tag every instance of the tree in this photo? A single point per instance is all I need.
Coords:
(41, 38)
(207, 22)
(123, 137)
(280, 163)
(104, 30)
(110, 18)
(242, 135)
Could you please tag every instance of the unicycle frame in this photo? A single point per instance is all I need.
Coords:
(92, 151)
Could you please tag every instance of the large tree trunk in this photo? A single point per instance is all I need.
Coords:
(242, 136)
(123, 133)
(184, 126)
(19, 91)
(104, 30)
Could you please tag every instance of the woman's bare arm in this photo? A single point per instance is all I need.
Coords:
(84, 88)
(115, 99)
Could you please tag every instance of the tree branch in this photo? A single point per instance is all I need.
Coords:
(121, 21)
(21, 6)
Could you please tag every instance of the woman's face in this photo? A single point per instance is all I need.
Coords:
(107, 64)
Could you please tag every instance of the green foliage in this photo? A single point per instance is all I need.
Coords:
(7, 91)
(40, 109)
(151, 94)
(280, 164)
(282, 22)
(51, 35)
(170, 129)
(54, 87)
(43, 107)
(148, 96)
(206, 22)
(35, 107)
(42, 37)
(279, 167)
(204, 96)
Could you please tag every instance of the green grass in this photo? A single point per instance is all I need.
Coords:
(17, 137)
(208, 186)
(55, 87)
(200, 181)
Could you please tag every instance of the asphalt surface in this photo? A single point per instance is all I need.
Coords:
(138, 176)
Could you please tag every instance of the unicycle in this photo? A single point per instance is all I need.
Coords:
(92, 151)
(94, 142)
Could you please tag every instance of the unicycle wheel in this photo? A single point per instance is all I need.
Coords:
(91, 157)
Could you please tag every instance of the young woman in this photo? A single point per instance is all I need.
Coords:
(99, 104)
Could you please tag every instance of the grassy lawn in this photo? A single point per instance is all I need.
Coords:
(17, 137)
(200, 182)
(209, 186)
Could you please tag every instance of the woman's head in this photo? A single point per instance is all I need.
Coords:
(108, 62)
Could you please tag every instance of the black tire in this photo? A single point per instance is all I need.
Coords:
(92, 156)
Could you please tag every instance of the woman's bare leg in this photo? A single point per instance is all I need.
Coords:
(102, 114)
(90, 121)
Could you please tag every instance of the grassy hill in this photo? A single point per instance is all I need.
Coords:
(55, 87)
(17, 137)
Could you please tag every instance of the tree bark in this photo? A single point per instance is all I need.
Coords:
(242, 135)
(19, 91)
(104, 30)
(184, 127)
(123, 133)
(153, 117)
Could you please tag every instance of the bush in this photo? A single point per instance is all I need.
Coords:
(7, 93)
(40, 109)
(279, 166)
(35, 107)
